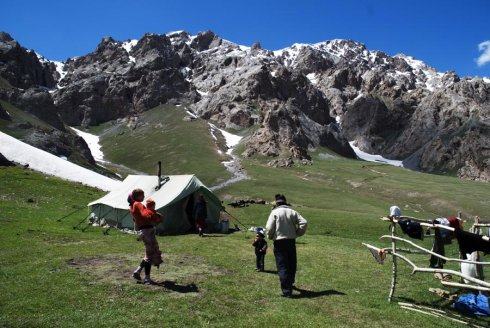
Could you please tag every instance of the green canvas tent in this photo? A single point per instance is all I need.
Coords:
(172, 200)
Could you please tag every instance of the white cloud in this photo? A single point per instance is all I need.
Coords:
(484, 58)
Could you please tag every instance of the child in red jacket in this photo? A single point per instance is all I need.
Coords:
(145, 218)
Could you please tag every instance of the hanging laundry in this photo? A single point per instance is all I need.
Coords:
(378, 254)
(476, 256)
(455, 222)
(472, 304)
(438, 247)
(446, 235)
(411, 228)
(470, 269)
(470, 242)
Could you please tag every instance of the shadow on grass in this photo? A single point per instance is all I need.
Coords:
(441, 303)
(171, 285)
(303, 293)
(270, 271)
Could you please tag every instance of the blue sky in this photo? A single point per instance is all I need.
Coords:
(444, 34)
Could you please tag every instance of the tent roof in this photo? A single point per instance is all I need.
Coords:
(178, 187)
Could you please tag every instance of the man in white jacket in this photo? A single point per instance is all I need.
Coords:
(284, 226)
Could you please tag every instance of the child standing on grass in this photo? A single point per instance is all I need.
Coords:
(260, 245)
(145, 217)
(200, 214)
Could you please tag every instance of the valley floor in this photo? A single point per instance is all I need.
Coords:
(53, 275)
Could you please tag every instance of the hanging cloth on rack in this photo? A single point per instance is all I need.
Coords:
(454, 222)
(437, 247)
(446, 235)
(470, 242)
(411, 228)
(476, 256)
(470, 269)
(441, 237)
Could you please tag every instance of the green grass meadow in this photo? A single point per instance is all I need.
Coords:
(162, 134)
(54, 275)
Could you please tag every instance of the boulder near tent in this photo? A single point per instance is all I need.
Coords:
(174, 199)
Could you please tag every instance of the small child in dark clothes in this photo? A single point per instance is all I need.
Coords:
(260, 245)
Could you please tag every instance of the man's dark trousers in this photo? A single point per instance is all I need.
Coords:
(285, 254)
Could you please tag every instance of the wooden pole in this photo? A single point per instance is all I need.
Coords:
(394, 266)
(478, 231)
(416, 269)
(458, 285)
(424, 250)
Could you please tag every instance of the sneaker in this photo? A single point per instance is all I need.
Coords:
(148, 281)
(287, 293)
(137, 275)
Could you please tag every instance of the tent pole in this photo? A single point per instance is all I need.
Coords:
(106, 231)
(79, 223)
(67, 215)
(394, 266)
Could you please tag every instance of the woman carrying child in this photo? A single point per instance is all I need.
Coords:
(145, 218)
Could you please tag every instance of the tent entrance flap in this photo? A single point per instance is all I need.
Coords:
(171, 200)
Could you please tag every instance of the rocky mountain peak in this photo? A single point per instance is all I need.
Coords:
(21, 67)
(205, 41)
(150, 41)
(5, 37)
(395, 106)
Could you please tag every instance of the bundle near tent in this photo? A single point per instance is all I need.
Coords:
(174, 197)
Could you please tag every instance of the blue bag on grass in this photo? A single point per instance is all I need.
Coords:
(472, 304)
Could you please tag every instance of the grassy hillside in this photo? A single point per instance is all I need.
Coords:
(4, 84)
(21, 121)
(161, 134)
(54, 275)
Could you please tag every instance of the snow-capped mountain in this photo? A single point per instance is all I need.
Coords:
(394, 106)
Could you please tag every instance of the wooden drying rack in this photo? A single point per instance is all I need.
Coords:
(473, 283)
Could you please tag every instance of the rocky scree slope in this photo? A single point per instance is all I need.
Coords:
(291, 100)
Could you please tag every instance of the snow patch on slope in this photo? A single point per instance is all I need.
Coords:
(202, 93)
(433, 79)
(93, 143)
(128, 46)
(42, 161)
(233, 165)
(231, 139)
(313, 78)
(374, 158)
(40, 57)
(59, 66)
